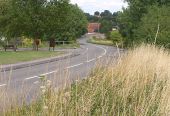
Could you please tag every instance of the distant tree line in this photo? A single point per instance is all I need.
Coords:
(145, 21)
(41, 19)
(105, 18)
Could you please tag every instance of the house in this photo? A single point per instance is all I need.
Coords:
(93, 27)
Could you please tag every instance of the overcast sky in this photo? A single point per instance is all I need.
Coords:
(90, 6)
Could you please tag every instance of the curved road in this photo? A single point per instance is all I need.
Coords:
(27, 80)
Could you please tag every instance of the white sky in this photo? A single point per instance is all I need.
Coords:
(90, 6)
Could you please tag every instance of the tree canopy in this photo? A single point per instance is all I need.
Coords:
(40, 19)
(139, 22)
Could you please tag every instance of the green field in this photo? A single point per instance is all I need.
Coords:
(100, 41)
(21, 56)
(68, 46)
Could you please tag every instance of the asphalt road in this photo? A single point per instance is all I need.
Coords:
(26, 81)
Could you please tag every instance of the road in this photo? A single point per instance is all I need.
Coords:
(26, 81)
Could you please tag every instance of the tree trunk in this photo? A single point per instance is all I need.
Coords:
(36, 44)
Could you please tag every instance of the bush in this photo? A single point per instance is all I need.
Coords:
(116, 37)
(27, 42)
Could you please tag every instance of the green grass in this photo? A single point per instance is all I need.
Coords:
(60, 46)
(100, 41)
(68, 46)
(11, 57)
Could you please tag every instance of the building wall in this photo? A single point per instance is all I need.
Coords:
(93, 27)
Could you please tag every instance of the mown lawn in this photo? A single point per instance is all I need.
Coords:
(100, 41)
(11, 57)
(68, 46)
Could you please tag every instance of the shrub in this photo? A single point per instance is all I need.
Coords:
(116, 37)
(27, 42)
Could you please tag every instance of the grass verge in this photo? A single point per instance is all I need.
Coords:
(11, 57)
(68, 46)
(100, 41)
(60, 46)
(138, 85)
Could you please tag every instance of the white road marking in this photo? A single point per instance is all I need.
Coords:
(49, 73)
(74, 65)
(36, 82)
(99, 57)
(31, 77)
(2, 85)
(105, 51)
(91, 60)
(41, 75)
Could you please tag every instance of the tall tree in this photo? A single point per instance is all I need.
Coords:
(130, 18)
(56, 14)
(154, 26)
(41, 18)
(76, 23)
(97, 13)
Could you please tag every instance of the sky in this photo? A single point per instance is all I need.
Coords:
(90, 6)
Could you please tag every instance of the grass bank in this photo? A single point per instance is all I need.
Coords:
(11, 57)
(138, 85)
(68, 46)
(100, 41)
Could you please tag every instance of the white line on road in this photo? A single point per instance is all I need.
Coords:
(41, 75)
(99, 57)
(31, 77)
(74, 65)
(91, 60)
(49, 73)
(105, 51)
(36, 82)
(2, 85)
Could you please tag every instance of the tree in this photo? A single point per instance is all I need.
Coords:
(76, 23)
(156, 16)
(129, 20)
(23, 17)
(69, 23)
(106, 15)
(106, 26)
(56, 14)
(97, 13)
(107, 22)
(39, 19)
(11, 19)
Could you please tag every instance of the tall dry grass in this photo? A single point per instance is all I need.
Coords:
(138, 85)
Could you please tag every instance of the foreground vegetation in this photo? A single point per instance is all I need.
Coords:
(138, 84)
(22, 56)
